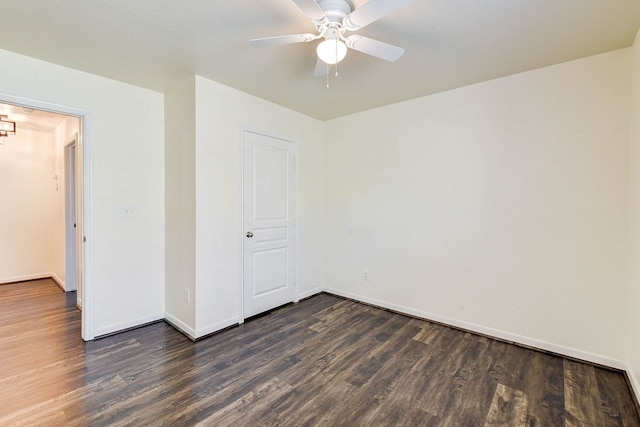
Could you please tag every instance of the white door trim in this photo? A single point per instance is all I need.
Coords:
(240, 226)
(70, 216)
(85, 142)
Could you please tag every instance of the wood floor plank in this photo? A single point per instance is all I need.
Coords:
(582, 398)
(239, 384)
(326, 361)
(508, 408)
(251, 406)
(444, 384)
(544, 376)
(394, 400)
(381, 381)
(335, 366)
(616, 399)
(471, 384)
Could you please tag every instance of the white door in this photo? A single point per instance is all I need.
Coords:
(70, 216)
(73, 218)
(269, 219)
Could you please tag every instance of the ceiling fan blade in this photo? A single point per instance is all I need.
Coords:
(310, 8)
(372, 11)
(376, 48)
(322, 69)
(278, 40)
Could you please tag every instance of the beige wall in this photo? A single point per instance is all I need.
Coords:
(634, 285)
(203, 120)
(180, 205)
(27, 215)
(501, 207)
(65, 131)
(126, 132)
(33, 199)
(220, 111)
(504, 207)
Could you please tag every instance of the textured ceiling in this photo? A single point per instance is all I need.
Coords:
(449, 43)
(30, 119)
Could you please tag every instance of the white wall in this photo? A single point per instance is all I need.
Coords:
(33, 238)
(27, 210)
(500, 207)
(58, 205)
(60, 137)
(126, 133)
(220, 111)
(634, 285)
(180, 204)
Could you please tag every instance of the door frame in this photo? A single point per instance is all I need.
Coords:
(85, 145)
(70, 217)
(241, 237)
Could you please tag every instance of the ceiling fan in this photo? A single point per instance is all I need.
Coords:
(332, 19)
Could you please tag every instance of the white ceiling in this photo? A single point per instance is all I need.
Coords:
(449, 43)
(30, 119)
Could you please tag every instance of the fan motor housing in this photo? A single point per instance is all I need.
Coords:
(336, 10)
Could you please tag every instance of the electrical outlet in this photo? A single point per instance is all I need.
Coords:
(187, 296)
(129, 212)
(365, 274)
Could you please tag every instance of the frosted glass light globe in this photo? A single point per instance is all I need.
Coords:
(332, 51)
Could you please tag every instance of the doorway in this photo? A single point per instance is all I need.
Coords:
(72, 143)
(269, 266)
(72, 242)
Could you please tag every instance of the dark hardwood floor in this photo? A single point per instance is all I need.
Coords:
(323, 362)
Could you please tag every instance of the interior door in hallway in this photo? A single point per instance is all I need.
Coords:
(71, 236)
(269, 220)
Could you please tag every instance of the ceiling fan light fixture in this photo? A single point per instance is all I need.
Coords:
(332, 18)
(332, 51)
(6, 127)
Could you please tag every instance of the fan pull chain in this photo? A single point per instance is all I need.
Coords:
(336, 57)
(329, 67)
(327, 76)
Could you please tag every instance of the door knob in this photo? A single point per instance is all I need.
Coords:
(249, 234)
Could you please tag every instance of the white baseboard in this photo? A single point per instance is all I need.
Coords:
(635, 384)
(507, 336)
(194, 334)
(201, 332)
(111, 329)
(180, 325)
(26, 277)
(59, 281)
(310, 293)
(519, 339)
